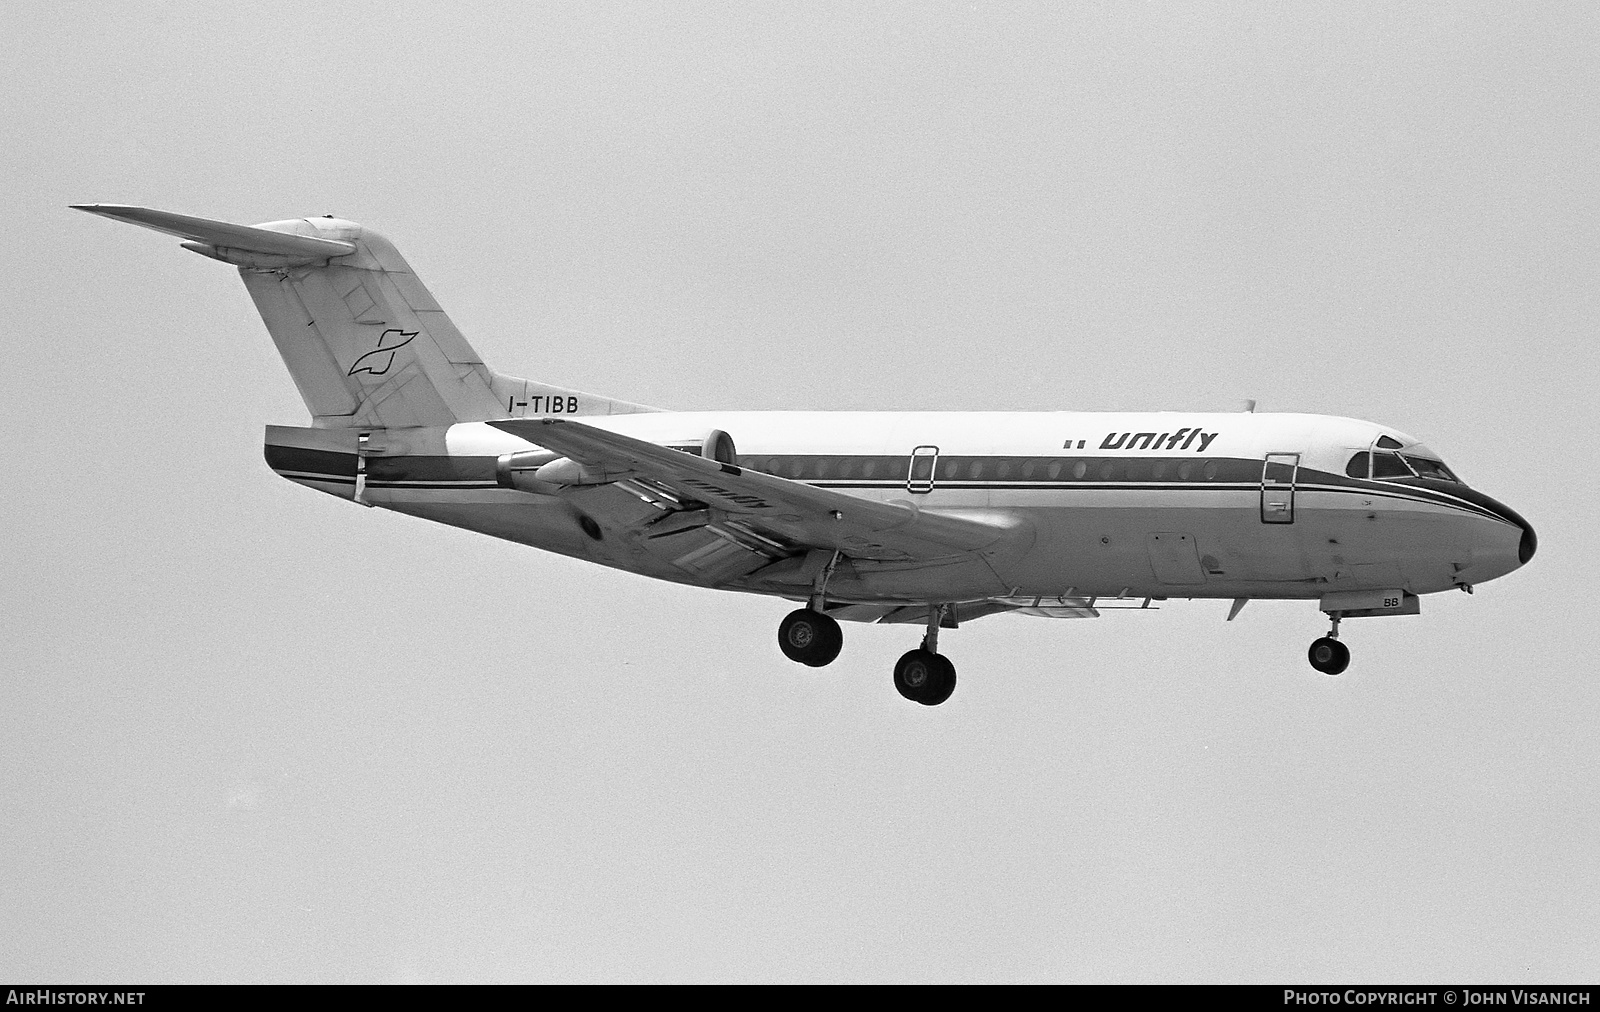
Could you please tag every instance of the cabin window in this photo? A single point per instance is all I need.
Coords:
(1210, 470)
(821, 469)
(976, 470)
(869, 468)
(1004, 470)
(1080, 469)
(1107, 469)
(1186, 470)
(1159, 471)
(1055, 470)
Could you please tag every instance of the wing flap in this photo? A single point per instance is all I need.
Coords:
(916, 614)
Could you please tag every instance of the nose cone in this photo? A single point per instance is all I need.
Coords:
(1527, 542)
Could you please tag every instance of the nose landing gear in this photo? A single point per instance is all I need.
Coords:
(1327, 654)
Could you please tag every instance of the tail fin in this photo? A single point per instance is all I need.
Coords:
(367, 346)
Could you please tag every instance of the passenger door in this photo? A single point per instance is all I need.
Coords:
(1277, 487)
(920, 476)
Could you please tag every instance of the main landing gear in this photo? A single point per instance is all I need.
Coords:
(810, 637)
(923, 675)
(1327, 654)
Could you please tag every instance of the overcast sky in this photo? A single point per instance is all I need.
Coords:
(251, 733)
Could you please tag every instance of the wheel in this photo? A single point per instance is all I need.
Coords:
(1329, 656)
(1341, 658)
(947, 681)
(914, 673)
(831, 643)
(810, 638)
(924, 677)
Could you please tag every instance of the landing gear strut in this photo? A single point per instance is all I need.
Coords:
(810, 637)
(1327, 654)
(924, 675)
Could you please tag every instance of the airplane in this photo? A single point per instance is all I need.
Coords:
(925, 518)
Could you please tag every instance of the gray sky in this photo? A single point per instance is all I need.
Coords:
(250, 733)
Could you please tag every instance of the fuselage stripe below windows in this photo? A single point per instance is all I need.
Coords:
(884, 472)
(1402, 493)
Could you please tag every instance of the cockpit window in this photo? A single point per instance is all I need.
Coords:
(1426, 468)
(1389, 465)
(1359, 465)
(1389, 443)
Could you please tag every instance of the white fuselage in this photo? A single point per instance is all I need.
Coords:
(1165, 504)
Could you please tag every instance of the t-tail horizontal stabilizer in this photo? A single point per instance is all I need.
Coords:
(241, 245)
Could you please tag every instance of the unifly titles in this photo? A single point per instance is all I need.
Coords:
(1184, 439)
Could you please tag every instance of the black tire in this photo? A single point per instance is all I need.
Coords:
(947, 681)
(1329, 656)
(1342, 661)
(829, 645)
(810, 637)
(924, 677)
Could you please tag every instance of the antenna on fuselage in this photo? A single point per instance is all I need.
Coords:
(1250, 406)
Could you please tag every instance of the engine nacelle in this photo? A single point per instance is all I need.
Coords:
(565, 471)
(714, 445)
(545, 472)
(520, 471)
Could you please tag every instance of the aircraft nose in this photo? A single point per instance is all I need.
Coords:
(1492, 558)
(1529, 543)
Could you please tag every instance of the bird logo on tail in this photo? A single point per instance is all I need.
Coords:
(379, 360)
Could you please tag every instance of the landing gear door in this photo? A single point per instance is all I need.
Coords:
(920, 477)
(1277, 488)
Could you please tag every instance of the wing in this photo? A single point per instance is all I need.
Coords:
(777, 517)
